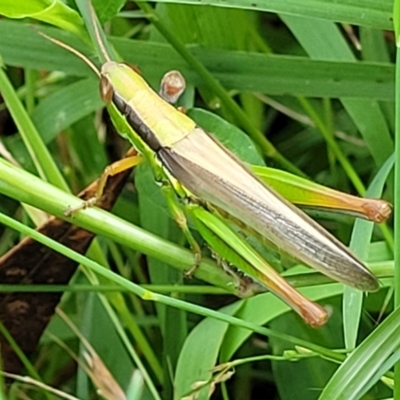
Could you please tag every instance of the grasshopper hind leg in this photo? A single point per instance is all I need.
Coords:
(111, 170)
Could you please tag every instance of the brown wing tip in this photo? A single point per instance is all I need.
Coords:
(369, 284)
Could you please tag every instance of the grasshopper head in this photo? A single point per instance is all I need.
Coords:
(120, 78)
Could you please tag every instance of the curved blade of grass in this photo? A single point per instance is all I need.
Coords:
(206, 339)
(50, 11)
(135, 388)
(387, 380)
(354, 374)
(360, 239)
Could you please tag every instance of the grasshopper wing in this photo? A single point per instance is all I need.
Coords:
(214, 175)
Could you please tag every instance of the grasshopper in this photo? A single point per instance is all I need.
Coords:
(204, 181)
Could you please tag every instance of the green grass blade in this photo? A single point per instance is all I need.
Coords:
(354, 374)
(26, 188)
(361, 237)
(323, 41)
(52, 12)
(396, 19)
(365, 12)
(39, 153)
(271, 74)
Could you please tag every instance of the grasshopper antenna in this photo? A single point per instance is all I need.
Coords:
(71, 50)
(97, 33)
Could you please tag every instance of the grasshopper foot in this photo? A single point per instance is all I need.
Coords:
(197, 259)
(70, 211)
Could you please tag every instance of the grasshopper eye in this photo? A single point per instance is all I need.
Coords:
(106, 90)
